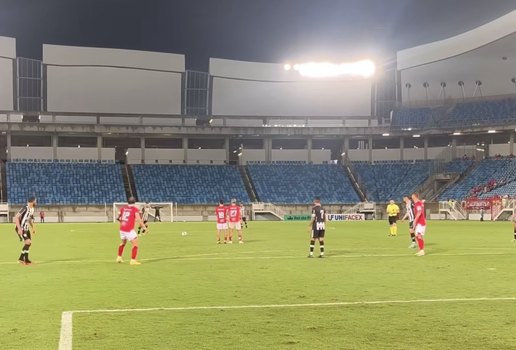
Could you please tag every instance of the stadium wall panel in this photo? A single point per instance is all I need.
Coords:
(264, 89)
(94, 80)
(7, 57)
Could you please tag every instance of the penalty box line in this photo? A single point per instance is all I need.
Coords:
(66, 334)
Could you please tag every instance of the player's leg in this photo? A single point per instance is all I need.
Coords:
(27, 242)
(321, 243)
(230, 232)
(134, 252)
(420, 233)
(413, 244)
(121, 248)
(391, 231)
(239, 232)
(394, 226)
(514, 226)
(245, 221)
(218, 235)
(312, 244)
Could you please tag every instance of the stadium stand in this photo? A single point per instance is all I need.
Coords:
(387, 180)
(189, 184)
(65, 183)
(464, 114)
(458, 166)
(491, 177)
(300, 183)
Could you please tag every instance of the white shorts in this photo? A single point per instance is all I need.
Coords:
(222, 226)
(129, 236)
(233, 225)
(420, 229)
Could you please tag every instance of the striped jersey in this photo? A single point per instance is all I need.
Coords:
(145, 212)
(410, 210)
(26, 214)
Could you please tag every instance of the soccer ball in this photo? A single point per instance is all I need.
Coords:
(184, 233)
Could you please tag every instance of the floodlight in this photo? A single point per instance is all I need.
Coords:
(363, 69)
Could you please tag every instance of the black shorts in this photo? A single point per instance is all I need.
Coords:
(318, 234)
(392, 220)
(25, 235)
(244, 219)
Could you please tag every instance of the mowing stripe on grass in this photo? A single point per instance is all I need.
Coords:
(196, 258)
(66, 335)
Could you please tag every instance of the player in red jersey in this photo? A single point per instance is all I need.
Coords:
(128, 216)
(419, 223)
(221, 212)
(234, 222)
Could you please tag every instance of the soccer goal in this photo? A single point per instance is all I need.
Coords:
(159, 212)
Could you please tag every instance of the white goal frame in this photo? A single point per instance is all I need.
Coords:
(167, 212)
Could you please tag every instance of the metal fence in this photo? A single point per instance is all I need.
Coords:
(196, 93)
(29, 83)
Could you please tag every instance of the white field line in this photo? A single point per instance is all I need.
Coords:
(66, 334)
(196, 258)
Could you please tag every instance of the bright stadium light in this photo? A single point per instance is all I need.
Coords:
(417, 135)
(386, 134)
(491, 131)
(287, 67)
(362, 69)
(457, 133)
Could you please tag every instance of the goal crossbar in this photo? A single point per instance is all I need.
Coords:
(166, 210)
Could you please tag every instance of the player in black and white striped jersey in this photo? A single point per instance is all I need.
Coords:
(24, 223)
(145, 215)
(409, 214)
(243, 214)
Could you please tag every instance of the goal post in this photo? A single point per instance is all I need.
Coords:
(165, 210)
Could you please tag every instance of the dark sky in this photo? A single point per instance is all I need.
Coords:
(255, 30)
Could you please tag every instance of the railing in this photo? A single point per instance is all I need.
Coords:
(454, 209)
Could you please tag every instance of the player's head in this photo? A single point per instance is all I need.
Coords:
(317, 201)
(406, 198)
(233, 201)
(221, 202)
(131, 200)
(415, 196)
(241, 204)
(32, 201)
(391, 201)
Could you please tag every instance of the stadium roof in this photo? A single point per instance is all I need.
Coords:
(266, 31)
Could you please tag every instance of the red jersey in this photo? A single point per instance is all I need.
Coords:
(234, 213)
(221, 213)
(419, 208)
(127, 218)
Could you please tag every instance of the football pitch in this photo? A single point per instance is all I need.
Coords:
(371, 292)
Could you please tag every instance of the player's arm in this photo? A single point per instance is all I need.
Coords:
(405, 216)
(17, 221)
(310, 225)
(31, 224)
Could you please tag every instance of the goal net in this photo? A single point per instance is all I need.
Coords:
(159, 212)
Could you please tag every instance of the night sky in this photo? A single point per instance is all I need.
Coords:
(258, 30)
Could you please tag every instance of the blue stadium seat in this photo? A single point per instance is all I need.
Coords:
(296, 183)
(392, 179)
(189, 184)
(462, 114)
(65, 183)
(503, 171)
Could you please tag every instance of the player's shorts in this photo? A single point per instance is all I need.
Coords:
(392, 220)
(420, 230)
(25, 235)
(235, 225)
(244, 218)
(411, 225)
(222, 226)
(318, 234)
(128, 236)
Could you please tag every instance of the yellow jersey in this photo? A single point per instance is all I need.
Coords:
(393, 210)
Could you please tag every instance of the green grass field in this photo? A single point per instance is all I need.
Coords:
(75, 270)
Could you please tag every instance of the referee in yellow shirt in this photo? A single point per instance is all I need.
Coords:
(392, 211)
